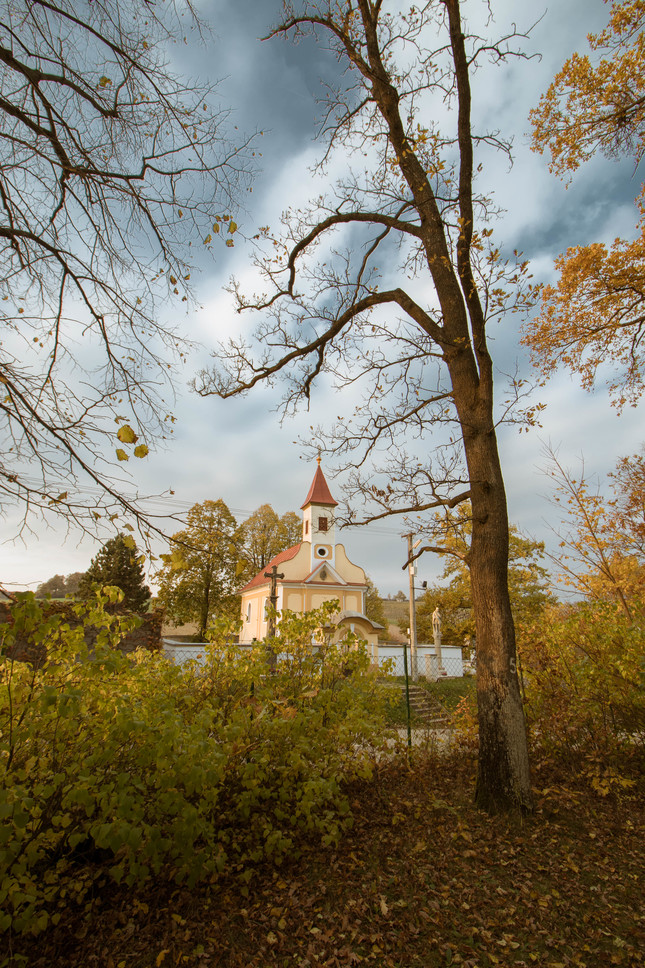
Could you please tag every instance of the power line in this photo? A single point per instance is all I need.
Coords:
(159, 503)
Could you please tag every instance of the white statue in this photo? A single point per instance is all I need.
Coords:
(436, 624)
(436, 634)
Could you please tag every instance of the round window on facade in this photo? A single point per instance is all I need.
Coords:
(321, 552)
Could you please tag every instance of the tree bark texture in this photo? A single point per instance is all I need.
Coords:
(503, 780)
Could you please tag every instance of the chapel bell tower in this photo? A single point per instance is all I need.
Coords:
(318, 520)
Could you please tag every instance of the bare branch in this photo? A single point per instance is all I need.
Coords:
(102, 152)
(438, 550)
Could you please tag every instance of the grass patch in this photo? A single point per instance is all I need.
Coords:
(450, 691)
(395, 612)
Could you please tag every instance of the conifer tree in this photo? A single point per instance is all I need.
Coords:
(118, 563)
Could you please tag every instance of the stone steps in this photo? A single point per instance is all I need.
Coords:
(432, 713)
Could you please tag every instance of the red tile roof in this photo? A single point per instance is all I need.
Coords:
(319, 492)
(259, 579)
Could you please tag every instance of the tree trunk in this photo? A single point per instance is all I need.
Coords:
(503, 781)
(204, 611)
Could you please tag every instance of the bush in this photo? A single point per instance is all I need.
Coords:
(131, 767)
(585, 681)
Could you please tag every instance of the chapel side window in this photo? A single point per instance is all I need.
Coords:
(248, 612)
(323, 524)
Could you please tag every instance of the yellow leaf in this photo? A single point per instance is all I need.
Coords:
(127, 435)
(232, 227)
(141, 451)
(161, 956)
(121, 454)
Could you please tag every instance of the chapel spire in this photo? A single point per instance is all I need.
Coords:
(319, 492)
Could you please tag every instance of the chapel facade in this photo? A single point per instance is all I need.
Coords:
(314, 571)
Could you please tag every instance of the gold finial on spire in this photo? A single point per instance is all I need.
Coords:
(318, 458)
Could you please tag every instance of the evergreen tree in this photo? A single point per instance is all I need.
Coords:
(118, 563)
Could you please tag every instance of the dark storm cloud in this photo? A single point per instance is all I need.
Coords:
(237, 449)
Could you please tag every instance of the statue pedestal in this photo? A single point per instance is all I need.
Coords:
(434, 667)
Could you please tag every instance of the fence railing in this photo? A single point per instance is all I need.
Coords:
(388, 656)
(429, 664)
(182, 652)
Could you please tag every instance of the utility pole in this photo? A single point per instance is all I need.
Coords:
(413, 610)
(273, 601)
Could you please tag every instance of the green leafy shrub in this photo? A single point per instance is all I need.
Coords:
(133, 767)
(585, 683)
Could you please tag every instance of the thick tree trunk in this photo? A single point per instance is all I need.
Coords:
(503, 781)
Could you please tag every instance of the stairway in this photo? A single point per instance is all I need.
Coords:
(430, 711)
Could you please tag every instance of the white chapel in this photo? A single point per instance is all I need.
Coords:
(314, 571)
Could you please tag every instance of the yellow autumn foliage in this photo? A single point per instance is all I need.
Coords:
(595, 314)
(601, 105)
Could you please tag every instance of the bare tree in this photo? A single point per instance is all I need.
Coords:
(110, 168)
(420, 352)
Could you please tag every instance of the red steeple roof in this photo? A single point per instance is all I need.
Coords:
(319, 492)
(260, 578)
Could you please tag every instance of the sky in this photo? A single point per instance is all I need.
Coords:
(238, 450)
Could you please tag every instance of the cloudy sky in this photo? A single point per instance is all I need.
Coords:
(238, 450)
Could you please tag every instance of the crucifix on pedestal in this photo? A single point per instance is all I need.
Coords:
(273, 601)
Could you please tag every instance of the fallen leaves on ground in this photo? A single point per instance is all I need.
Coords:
(423, 879)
